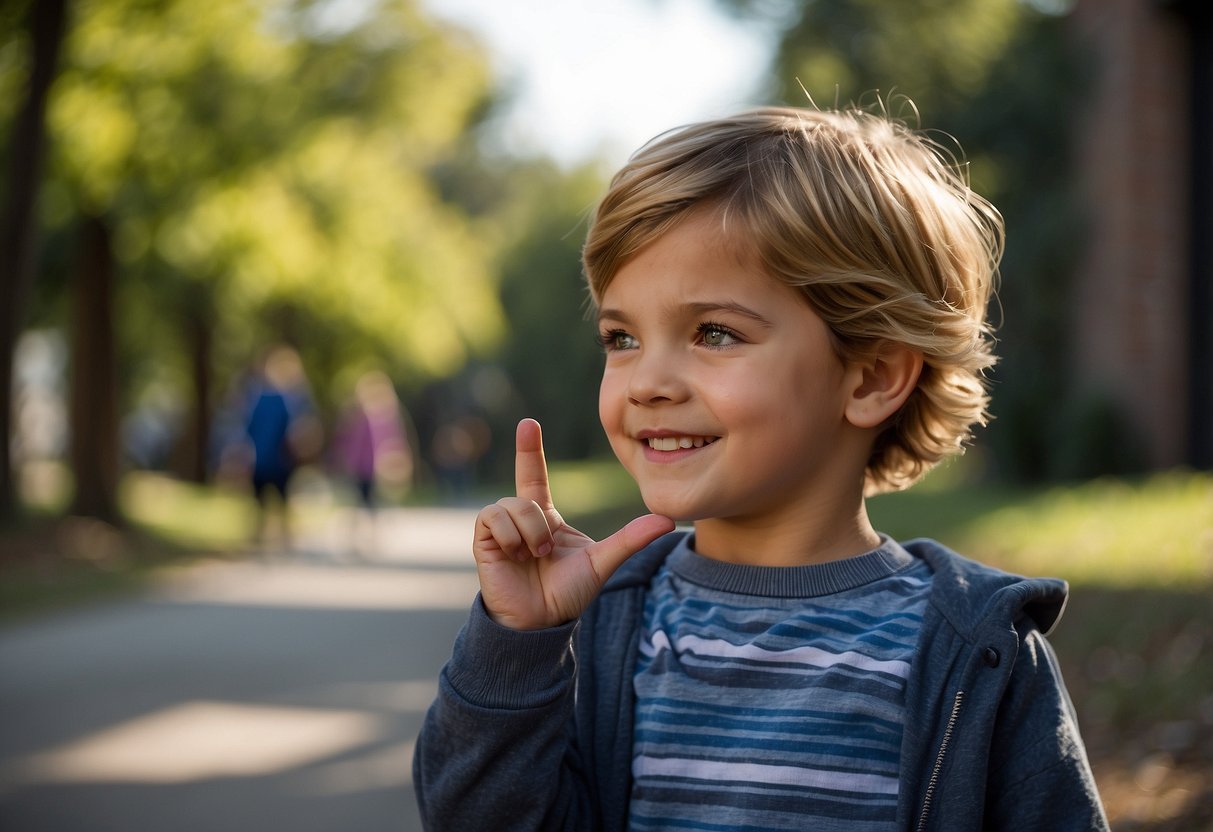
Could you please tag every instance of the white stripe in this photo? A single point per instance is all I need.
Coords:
(812, 656)
(721, 773)
(660, 641)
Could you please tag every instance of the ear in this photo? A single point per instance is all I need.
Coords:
(880, 384)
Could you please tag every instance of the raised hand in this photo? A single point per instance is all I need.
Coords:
(535, 570)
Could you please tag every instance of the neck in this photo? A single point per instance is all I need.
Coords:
(813, 537)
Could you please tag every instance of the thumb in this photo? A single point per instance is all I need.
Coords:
(608, 554)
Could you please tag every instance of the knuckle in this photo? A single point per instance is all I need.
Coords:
(490, 515)
(515, 505)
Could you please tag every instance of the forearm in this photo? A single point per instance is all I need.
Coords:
(494, 749)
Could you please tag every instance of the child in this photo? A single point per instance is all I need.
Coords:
(792, 305)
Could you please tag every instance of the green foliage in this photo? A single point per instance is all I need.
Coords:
(553, 356)
(15, 60)
(268, 161)
(549, 365)
(938, 54)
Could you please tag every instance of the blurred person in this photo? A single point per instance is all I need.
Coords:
(456, 448)
(282, 431)
(371, 447)
(792, 303)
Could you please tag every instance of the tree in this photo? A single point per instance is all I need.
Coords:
(18, 222)
(549, 365)
(553, 355)
(258, 163)
(93, 405)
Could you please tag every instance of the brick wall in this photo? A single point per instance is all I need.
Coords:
(1131, 289)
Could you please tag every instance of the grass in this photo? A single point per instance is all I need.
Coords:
(50, 560)
(1154, 531)
(196, 516)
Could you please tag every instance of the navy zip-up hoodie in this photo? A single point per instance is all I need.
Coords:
(533, 730)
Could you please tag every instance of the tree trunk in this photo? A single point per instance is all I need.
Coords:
(18, 225)
(94, 386)
(200, 360)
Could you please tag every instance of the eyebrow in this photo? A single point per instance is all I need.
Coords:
(698, 309)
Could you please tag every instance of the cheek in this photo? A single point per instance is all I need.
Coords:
(610, 407)
(743, 398)
(773, 401)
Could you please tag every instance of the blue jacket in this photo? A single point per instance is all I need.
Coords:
(533, 730)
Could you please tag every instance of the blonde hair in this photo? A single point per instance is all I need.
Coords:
(873, 222)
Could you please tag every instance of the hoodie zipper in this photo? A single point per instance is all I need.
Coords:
(939, 758)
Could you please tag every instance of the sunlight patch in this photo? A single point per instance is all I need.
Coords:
(206, 740)
(296, 585)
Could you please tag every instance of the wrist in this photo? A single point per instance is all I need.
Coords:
(498, 666)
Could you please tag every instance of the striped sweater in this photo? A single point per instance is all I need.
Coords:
(772, 698)
(533, 730)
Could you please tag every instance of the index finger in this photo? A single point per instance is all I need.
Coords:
(530, 467)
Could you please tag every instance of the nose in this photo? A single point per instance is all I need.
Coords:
(657, 377)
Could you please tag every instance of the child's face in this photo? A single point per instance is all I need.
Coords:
(722, 394)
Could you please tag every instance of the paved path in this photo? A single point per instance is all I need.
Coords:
(280, 693)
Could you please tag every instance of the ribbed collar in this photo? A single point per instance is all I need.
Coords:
(788, 581)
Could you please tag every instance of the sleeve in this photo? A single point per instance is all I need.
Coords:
(1039, 776)
(496, 750)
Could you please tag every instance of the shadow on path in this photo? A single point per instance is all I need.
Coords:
(280, 693)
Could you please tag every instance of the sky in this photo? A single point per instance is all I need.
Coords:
(600, 77)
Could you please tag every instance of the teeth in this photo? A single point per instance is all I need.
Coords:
(673, 443)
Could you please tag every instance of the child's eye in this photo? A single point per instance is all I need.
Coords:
(715, 335)
(616, 339)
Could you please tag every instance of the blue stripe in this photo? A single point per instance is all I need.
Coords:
(843, 720)
(740, 710)
(743, 741)
(769, 718)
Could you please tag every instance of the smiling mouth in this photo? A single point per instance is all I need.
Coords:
(674, 443)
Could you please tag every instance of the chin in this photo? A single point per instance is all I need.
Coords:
(674, 507)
